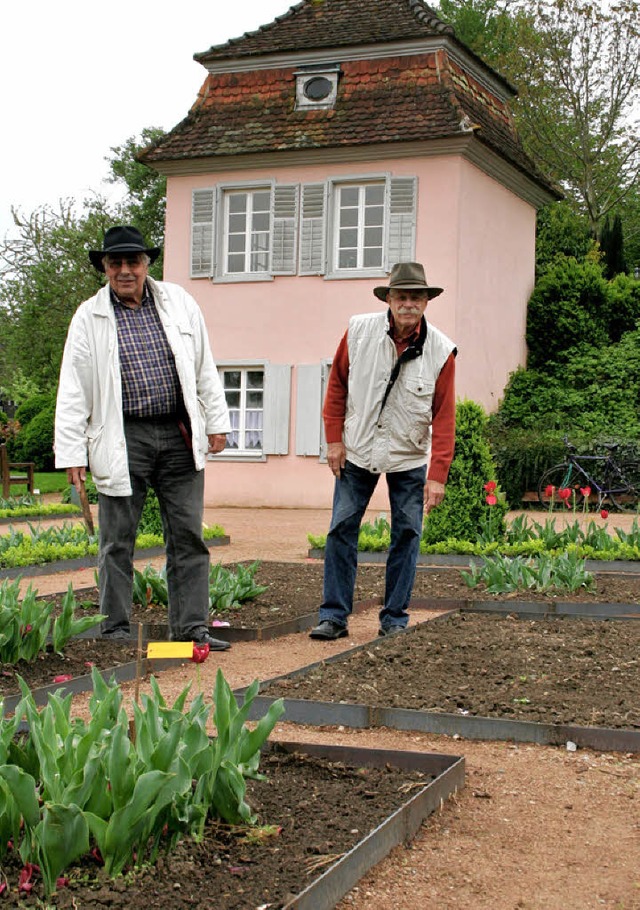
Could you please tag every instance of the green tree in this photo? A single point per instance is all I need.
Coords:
(561, 231)
(612, 246)
(44, 275)
(576, 66)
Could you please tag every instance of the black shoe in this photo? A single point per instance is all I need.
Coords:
(215, 644)
(329, 631)
(116, 635)
(390, 630)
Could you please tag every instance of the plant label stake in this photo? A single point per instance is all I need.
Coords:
(86, 508)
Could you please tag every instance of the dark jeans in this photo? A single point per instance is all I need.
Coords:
(158, 457)
(352, 493)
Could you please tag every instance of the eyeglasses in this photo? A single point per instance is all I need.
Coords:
(116, 262)
(409, 295)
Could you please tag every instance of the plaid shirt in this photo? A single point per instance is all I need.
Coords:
(150, 384)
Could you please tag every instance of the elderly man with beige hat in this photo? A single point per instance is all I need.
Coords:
(389, 409)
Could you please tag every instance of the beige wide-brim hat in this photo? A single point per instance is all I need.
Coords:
(407, 275)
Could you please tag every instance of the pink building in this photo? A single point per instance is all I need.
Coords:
(324, 147)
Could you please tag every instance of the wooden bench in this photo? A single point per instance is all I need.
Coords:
(15, 473)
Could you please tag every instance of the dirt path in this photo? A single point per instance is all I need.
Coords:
(536, 827)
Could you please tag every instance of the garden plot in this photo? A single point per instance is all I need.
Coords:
(482, 676)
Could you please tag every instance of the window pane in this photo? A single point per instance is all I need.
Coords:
(236, 243)
(349, 195)
(374, 215)
(255, 379)
(237, 202)
(237, 224)
(261, 221)
(262, 201)
(259, 262)
(254, 399)
(372, 258)
(374, 194)
(348, 238)
(233, 399)
(235, 263)
(259, 242)
(347, 259)
(373, 237)
(348, 217)
(232, 379)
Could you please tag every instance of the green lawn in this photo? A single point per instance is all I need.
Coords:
(47, 482)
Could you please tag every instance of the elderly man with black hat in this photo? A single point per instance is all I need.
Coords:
(389, 409)
(140, 402)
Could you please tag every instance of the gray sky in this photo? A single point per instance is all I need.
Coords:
(77, 78)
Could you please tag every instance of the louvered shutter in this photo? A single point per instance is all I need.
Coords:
(308, 408)
(277, 406)
(312, 229)
(202, 233)
(402, 220)
(285, 216)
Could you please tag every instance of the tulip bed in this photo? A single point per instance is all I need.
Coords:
(124, 792)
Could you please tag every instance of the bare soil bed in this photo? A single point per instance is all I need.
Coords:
(568, 671)
(319, 811)
(293, 590)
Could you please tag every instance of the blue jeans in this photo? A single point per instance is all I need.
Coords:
(352, 493)
(158, 457)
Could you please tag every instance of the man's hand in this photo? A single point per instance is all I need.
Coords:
(217, 442)
(77, 476)
(433, 495)
(336, 457)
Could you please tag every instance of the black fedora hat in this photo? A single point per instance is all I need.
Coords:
(410, 276)
(119, 240)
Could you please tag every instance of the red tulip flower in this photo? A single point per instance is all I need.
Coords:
(604, 513)
(550, 490)
(564, 493)
(64, 677)
(586, 492)
(200, 653)
(490, 486)
(491, 499)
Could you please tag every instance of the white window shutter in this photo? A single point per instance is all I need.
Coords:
(308, 408)
(277, 407)
(285, 219)
(312, 229)
(402, 220)
(202, 233)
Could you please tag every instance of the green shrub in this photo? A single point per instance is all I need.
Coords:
(463, 512)
(151, 520)
(34, 442)
(522, 456)
(90, 487)
(569, 305)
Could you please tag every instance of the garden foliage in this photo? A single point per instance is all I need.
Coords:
(70, 786)
(464, 510)
(25, 623)
(228, 590)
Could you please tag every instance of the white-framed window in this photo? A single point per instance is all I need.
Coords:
(247, 231)
(359, 221)
(258, 396)
(244, 391)
(355, 227)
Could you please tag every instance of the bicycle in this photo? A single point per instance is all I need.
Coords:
(605, 478)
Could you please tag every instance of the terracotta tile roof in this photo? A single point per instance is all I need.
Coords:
(392, 99)
(334, 23)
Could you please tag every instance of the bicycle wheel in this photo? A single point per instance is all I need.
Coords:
(560, 477)
(628, 498)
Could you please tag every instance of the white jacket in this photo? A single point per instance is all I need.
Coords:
(399, 438)
(89, 426)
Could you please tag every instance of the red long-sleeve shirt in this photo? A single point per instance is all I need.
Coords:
(443, 423)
